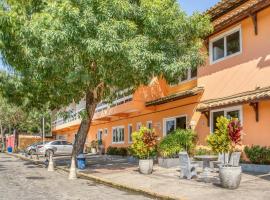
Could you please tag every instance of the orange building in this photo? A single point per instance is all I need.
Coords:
(234, 82)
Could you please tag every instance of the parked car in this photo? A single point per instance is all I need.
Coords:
(34, 148)
(56, 147)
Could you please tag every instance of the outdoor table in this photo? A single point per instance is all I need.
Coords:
(206, 164)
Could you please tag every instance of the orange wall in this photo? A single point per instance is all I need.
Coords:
(243, 72)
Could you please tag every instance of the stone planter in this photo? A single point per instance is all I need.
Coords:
(255, 168)
(146, 166)
(168, 162)
(230, 177)
(93, 150)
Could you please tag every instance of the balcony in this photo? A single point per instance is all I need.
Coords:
(119, 107)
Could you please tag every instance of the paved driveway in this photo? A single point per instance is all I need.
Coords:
(26, 181)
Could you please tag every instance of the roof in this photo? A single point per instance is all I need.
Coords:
(222, 17)
(176, 96)
(245, 97)
(223, 7)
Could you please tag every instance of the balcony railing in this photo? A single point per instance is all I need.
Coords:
(81, 107)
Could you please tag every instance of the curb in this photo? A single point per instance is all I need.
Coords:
(104, 181)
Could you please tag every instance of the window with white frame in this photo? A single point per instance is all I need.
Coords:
(232, 112)
(139, 125)
(99, 135)
(130, 133)
(170, 124)
(149, 124)
(118, 134)
(226, 45)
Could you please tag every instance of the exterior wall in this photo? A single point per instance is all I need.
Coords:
(240, 73)
(243, 72)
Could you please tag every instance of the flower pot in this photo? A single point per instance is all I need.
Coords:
(146, 166)
(93, 150)
(230, 176)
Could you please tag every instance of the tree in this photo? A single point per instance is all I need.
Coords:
(68, 49)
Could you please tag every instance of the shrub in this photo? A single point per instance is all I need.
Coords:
(176, 141)
(257, 154)
(122, 151)
(220, 141)
(112, 150)
(94, 144)
(203, 150)
(234, 131)
(144, 143)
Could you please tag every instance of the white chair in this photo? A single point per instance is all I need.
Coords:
(235, 158)
(221, 160)
(187, 168)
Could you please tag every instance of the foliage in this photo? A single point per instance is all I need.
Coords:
(144, 143)
(122, 151)
(94, 144)
(258, 154)
(203, 150)
(176, 141)
(65, 50)
(234, 131)
(220, 141)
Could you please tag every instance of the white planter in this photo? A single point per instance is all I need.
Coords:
(146, 166)
(93, 150)
(230, 177)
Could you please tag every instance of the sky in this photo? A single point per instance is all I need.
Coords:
(187, 5)
(196, 5)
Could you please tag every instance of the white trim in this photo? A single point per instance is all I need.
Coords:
(99, 130)
(172, 119)
(224, 35)
(227, 109)
(117, 127)
(149, 122)
(129, 135)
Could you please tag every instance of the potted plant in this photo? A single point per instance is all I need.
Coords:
(93, 146)
(144, 147)
(170, 146)
(224, 140)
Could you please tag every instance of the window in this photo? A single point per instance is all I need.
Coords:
(233, 112)
(118, 134)
(149, 124)
(105, 131)
(56, 143)
(130, 133)
(226, 45)
(190, 74)
(139, 125)
(66, 143)
(173, 123)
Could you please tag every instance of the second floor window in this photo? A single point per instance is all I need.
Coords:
(225, 45)
(189, 75)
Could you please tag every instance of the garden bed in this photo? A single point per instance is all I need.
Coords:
(248, 167)
(168, 162)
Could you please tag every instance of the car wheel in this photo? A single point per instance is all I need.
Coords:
(49, 152)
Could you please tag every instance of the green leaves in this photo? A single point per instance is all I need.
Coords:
(53, 45)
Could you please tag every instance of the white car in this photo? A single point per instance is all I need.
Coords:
(57, 147)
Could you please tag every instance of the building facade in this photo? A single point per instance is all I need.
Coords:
(235, 82)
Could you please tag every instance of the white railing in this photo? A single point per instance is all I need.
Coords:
(81, 106)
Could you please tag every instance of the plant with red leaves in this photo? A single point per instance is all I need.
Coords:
(235, 132)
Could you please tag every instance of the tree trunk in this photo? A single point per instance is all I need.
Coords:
(91, 103)
(2, 136)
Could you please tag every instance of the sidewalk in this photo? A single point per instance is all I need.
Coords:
(166, 183)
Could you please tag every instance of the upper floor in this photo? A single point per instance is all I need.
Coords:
(238, 60)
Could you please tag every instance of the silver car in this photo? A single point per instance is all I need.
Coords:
(57, 147)
(34, 148)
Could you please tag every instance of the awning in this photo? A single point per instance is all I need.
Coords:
(180, 95)
(241, 98)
